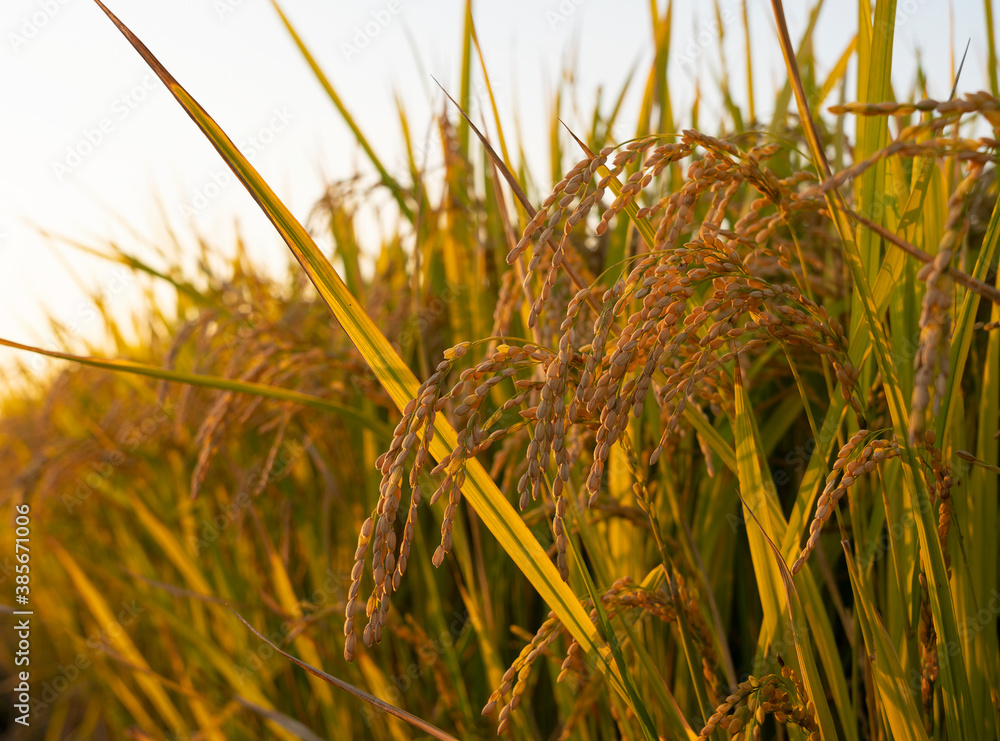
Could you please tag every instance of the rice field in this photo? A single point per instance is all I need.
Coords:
(698, 442)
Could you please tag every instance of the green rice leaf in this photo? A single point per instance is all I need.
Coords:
(211, 382)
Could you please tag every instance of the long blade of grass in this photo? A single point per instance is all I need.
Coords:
(413, 720)
(492, 97)
(975, 506)
(289, 601)
(897, 703)
(656, 80)
(874, 86)
(991, 45)
(120, 641)
(212, 382)
(749, 63)
(299, 729)
(216, 659)
(962, 339)
(608, 633)
(983, 512)
(760, 502)
(577, 272)
(756, 498)
(131, 262)
(397, 379)
(799, 631)
(780, 114)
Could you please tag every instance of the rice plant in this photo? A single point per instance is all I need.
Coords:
(713, 454)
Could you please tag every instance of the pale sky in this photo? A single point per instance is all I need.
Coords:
(92, 142)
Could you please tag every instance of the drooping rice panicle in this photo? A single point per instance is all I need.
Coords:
(931, 362)
(846, 470)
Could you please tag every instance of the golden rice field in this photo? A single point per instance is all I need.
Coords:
(700, 442)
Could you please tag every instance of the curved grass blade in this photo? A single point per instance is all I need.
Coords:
(898, 706)
(799, 631)
(767, 559)
(608, 633)
(808, 608)
(130, 261)
(289, 724)
(121, 642)
(413, 720)
(397, 379)
(211, 382)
